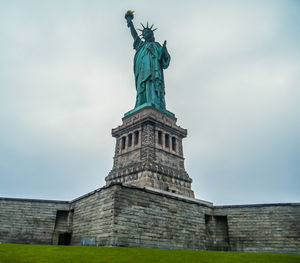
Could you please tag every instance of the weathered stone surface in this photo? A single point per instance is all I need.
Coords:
(94, 217)
(145, 218)
(29, 221)
(156, 219)
(263, 228)
(156, 158)
(120, 215)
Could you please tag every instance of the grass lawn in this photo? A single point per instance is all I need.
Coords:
(11, 253)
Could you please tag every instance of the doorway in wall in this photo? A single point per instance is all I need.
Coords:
(217, 237)
(64, 238)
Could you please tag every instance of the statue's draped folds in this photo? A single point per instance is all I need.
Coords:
(149, 62)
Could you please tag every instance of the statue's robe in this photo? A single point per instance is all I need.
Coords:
(149, 62)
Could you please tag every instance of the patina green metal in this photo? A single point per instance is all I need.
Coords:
(149, 62)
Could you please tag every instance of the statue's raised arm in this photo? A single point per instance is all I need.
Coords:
(149, 61)
(129, 17)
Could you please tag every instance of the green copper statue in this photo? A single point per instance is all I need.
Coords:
(149, 61)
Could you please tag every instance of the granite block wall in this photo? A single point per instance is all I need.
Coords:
(153, 218)
(28, 221)
(130, 216)
(149, 218)
(263, 228)
(93, 218)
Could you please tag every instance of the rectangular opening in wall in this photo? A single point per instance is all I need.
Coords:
(136, 137)
(159, 137)
(174, 144)
(64, 239)
(222, 239)
(62, 228)
(123, 142)
(208, 224)
(61, 222)
(208, 219)
(129, 140)
(167, 140)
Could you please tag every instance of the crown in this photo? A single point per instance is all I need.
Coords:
(146, 28)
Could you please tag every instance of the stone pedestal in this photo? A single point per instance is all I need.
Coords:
(149, 152)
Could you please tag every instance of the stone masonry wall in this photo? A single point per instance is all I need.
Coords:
(120, 215)
(93, 217)
(145, 218)
(28, 221)
(153, 218)
(263, 228)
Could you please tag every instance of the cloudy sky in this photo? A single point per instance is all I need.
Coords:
(66, 79)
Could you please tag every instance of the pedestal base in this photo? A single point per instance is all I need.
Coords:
(149, 152)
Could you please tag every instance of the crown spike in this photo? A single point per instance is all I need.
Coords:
(140, 30)
(154, 29)
(151, 26)
(147, 25)
(142, 25)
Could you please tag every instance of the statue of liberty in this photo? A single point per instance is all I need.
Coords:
(149, 61)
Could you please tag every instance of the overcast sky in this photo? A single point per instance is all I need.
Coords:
(66, 79)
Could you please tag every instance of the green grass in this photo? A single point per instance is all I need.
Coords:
(11, 253)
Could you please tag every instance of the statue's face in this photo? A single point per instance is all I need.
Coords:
(148, 35)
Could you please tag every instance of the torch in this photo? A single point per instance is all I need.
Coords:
(129, 17)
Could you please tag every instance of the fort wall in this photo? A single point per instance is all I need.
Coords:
(153, 218)
(93, 218)
(263, 227)
(130, 216)
(29, 221)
